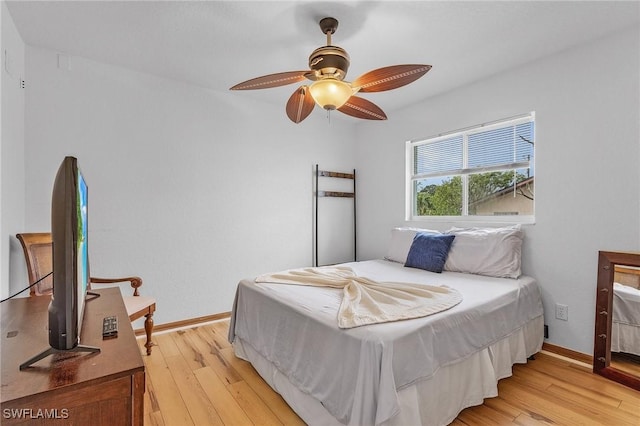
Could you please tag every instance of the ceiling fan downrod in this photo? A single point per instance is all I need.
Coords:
(328, 26)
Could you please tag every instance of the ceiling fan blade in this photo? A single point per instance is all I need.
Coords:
(272, 80)
(300, 104)
(388, 78)
(361, 108)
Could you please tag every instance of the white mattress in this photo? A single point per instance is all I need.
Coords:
(357, 374)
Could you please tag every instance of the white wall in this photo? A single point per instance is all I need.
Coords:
(190, 189)
(186, 184)
(12, 179)
(587, 167)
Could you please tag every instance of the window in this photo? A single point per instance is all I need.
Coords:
(484, 172)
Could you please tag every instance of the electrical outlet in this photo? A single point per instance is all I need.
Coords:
(562, 312)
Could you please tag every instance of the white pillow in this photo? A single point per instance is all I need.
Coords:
(495, 252)
(401, 240)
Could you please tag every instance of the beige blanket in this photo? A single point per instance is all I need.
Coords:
(366, 301)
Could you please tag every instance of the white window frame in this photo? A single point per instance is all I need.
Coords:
(464, 172)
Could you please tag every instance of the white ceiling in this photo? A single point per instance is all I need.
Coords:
(216, 44)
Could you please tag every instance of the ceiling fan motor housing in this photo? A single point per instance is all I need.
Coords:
(329, 61)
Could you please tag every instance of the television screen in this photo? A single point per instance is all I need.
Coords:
(82, 246)
(69, 231)
(66, 227)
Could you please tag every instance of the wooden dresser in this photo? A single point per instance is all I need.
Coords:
(105, 388)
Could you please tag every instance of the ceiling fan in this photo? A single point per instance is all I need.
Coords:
(328, 68)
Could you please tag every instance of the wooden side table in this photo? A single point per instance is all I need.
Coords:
(104, 388)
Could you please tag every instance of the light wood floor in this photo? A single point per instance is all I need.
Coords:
(626, 362)
(193, 378)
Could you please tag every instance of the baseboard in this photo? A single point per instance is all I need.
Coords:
(568, 353)
(184, 323)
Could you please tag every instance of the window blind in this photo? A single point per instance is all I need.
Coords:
(476, 150)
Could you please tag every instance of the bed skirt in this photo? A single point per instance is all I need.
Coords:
(434, 401)
(625, 338)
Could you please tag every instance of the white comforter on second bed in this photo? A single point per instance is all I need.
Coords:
(356, 373)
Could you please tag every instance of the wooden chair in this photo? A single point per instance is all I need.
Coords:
(38, 254)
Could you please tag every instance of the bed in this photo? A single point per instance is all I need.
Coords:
(625, 325)
(418, 371)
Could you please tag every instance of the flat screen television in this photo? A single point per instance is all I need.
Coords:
(69, 233)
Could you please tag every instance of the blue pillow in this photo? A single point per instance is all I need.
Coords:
(429, 251)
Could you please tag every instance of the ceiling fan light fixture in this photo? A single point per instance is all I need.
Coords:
(330, 93)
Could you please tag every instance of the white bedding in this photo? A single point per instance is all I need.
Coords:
(626, 304)
(357, 374)
(436, 401)
(625, 327)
